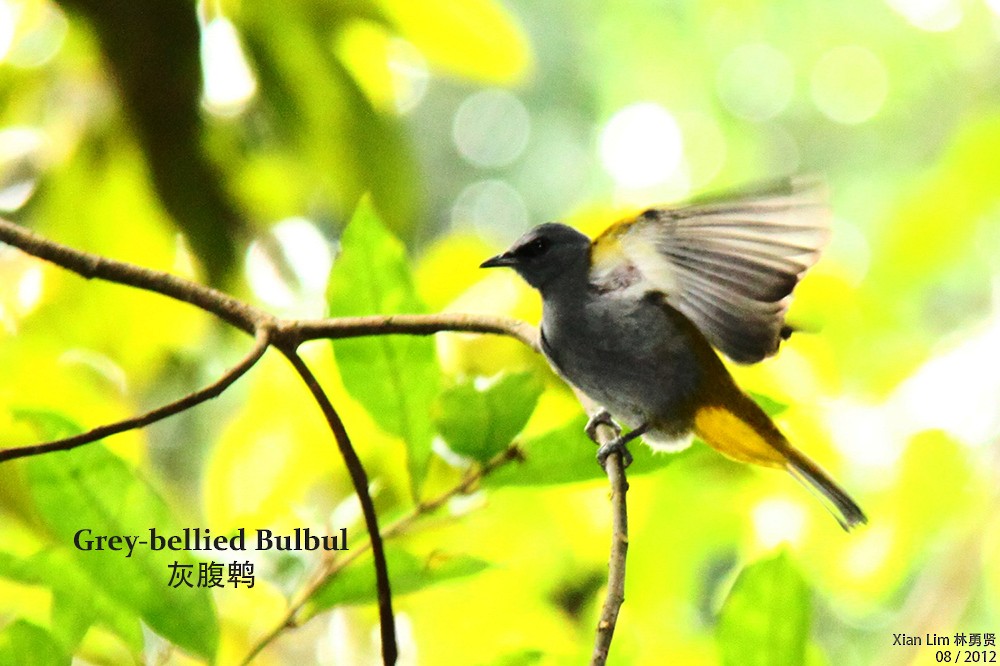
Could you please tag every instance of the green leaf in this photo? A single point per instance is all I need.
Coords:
(338, 143)
(771, 406)
(765, 619)
(408, 573)
(396, 378)
(72, 617)
(566, 455)
(77, 599)
(89, 488)
(480, 421)
(519, 658)
(26, 644)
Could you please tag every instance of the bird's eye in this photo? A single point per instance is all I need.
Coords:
(535, 248)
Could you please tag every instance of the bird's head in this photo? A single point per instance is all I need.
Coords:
(545, 253)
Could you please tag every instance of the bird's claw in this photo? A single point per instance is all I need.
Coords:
(601, 418)
(618, 445)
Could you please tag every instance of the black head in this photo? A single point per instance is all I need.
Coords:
(545, 252)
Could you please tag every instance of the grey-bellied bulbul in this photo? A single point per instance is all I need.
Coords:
(631, 319)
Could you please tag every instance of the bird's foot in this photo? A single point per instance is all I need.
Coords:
(618, 445)
(602, 417)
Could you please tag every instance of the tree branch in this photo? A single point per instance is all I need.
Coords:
(614, 467)
(360, 480)
(286, 336)
(297, 332)
(259, 323)
(330, 568)
(242, 315)
(213, 390)
(615, 595)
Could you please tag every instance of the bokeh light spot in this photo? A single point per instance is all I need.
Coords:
(864, 433)
(867, 553)
(777, 520)
(641, 146)
(849, 84)
(409, 73)
(493, 207)
(229, 82)
(21, 150)
(930, 15)
(755, 82)
(307, 253)
(969, 414)
(704, 147)
(38, 31)
(7, 25)
(29, 289)
(491, 128)
(390, 70)
(22, 286)
(559, 164)
(849, 249)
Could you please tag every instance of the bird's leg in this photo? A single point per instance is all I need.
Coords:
(620, 444)
(602, 417)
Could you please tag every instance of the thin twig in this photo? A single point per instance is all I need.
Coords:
(242, 315)
(297, 332)
(330, 568)
(360, 481)
(615, 595)
(213, 390)
(245, 317)
(287, 335)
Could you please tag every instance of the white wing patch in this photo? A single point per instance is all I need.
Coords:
(627, 265)
(643, 252)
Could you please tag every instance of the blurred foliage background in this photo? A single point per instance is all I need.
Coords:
(231, 141)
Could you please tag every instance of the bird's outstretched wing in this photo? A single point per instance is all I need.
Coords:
(729, 262)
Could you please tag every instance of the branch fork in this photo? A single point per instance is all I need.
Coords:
(286, 336)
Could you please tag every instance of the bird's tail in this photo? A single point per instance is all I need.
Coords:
(835, 499)
(743, 431)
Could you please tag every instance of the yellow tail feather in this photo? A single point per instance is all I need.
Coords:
(743, 432)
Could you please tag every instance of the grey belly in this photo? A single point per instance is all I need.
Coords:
(626, 356)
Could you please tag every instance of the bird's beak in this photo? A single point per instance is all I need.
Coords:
(505, 259)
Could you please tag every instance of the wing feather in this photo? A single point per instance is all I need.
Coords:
(745, 338)
(770, 285)
(728, 263)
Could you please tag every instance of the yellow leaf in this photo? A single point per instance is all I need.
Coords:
(448, 267)
(476, 39)
(364, 48)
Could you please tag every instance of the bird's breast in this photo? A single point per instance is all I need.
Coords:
(624, 353)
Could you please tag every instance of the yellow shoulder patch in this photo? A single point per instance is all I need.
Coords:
(606, 251)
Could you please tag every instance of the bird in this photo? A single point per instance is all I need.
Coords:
(633, 319)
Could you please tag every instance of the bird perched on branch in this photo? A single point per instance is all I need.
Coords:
(630, 319)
